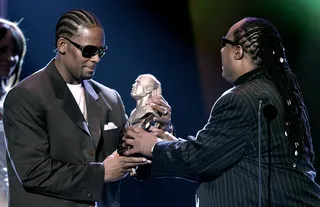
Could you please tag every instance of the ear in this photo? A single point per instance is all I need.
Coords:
(149, 89)
(239, 52)
(61, 45)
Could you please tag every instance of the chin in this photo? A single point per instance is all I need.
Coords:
(223, 75)
(86, 77)
(227, 78)
(4, 72)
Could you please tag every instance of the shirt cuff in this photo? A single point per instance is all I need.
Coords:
(152, 148)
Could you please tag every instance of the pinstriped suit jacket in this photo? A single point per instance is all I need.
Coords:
(224, 154)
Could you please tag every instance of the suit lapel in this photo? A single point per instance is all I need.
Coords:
(62, 93)
(70, 107)
(93, 112)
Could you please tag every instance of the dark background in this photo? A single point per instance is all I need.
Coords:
(179, 43)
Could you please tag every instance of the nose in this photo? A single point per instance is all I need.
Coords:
(96, 58)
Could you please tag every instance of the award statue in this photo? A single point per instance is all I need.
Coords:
(145, 86)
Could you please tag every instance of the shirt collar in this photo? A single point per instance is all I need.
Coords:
(251, 75)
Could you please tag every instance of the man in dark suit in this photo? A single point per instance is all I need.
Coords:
(62, 128)
(256, 148)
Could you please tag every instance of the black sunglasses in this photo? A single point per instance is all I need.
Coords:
(225, 41)
(88, 51)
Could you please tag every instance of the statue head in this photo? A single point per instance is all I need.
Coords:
(146, 85)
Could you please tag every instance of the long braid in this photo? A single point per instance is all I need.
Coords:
(263, 43)
(71, 22)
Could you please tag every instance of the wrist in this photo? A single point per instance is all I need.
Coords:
(158, 140)
(169, 137)
(153, 148)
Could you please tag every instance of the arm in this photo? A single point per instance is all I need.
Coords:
(29, 150)
(217, 147)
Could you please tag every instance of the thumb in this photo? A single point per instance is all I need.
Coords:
(115, 153)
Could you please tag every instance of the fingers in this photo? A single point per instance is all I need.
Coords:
(133, 161)
(124, 144)
(164, 135)
(160, 104)
(163, 119)
(132, 165)
(133, 130)
(157, 100)
(130, 152)
(165, 111)
(169, 137)
(156, 131)
(129, 142)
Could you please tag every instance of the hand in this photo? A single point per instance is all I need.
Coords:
(161, 105)
(164, 135)
(117, 167)
(140, 141)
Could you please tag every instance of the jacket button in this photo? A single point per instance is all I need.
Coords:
(90, 195)
(92, 152)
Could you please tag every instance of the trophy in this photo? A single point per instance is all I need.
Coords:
(145, 86)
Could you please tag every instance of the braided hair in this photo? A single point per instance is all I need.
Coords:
(71, 22)
(20, 48)
(262, 42)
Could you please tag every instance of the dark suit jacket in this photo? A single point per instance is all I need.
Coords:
(53, 155)
(224, 154)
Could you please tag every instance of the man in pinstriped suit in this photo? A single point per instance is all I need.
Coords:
(224, 156)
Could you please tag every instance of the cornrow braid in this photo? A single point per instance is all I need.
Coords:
(263, 43)
(71, 22)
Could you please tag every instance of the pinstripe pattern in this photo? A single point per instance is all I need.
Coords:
(224, 154)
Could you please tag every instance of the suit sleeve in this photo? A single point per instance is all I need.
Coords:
(216, 148)
(123, 117)
(29, 152)
(121, 109)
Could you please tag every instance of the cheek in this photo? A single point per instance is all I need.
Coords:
(75, 57)
(77, 64)
(140, 90)
(227, 57)
(223, 54)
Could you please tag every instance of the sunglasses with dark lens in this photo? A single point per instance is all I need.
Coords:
(225, 41)
(88, 51)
